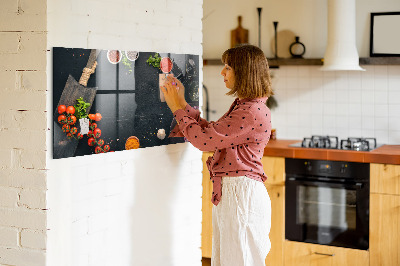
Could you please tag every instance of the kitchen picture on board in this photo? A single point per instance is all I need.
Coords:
(110, 100)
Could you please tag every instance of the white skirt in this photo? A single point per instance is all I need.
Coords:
(241, 223)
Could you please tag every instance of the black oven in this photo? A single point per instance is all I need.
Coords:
(327, 202)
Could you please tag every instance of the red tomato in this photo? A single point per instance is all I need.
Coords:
(93, 126)
(80, 136)
(72, 120)
(98, 117)
(98, 150)
(100, 142)
(65, 128)
(97, 132)
(61, 119)
(92, 116)
(106, 147)
(73, 130)
(91, 141)
(61, 109)
(70, 110)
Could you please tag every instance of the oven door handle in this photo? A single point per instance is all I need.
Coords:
(357, 185)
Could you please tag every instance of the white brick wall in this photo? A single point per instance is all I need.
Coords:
(139, 207)
(23, 132)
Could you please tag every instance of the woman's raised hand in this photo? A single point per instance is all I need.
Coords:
(181, 91)
(172, 90)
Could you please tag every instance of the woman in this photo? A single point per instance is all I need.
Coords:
(242, 208)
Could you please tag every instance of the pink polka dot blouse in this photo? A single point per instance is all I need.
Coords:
(238, 139)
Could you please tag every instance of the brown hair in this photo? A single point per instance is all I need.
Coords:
(250, 66)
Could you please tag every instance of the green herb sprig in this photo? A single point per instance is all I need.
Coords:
(80, 108)
(154, 61)
(126, 63)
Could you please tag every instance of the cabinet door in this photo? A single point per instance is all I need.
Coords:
(206, 232)
(305, 254)
(274, 168)
(277, 233)
(385, 178)
(384, 229)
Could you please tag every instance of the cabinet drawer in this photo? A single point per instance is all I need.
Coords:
(305, 254)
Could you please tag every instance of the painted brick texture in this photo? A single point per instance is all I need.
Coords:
(23, 218)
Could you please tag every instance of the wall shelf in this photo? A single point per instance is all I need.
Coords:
(274, 63)
(380, 61)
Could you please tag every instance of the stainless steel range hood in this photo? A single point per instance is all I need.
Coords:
(341, 51)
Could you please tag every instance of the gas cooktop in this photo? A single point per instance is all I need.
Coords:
(332, 142)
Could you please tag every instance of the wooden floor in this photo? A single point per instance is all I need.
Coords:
(206, 261)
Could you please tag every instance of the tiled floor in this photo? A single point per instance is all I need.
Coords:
(206, 261)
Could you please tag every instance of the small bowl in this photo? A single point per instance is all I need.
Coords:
(110, 55)
(132, 55)
(132, 143)
(166, 68)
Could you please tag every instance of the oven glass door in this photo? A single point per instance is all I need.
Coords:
(326, 213)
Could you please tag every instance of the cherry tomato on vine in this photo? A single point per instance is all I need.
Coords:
(72, 120)
(92, 116)
(62, 119)
(93, 126)
(65, 128)
(97, 132)
(70, 110)
(100, 142)
(90, 133)
(91, 141)
(98, 150)
(69, 135)
(80, 136)
(61, 109)
(106, 147)
(98, 117)
(73, 130)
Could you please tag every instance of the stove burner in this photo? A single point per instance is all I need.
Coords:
(358, 144)
(328, 142)
(332, 142)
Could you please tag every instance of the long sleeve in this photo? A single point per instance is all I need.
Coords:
(231, 130)
(193, 113)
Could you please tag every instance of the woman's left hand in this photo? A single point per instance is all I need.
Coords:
(171, 94)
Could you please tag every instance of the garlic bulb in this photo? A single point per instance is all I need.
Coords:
(161, 133)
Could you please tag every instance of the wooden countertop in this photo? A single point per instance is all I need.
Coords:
(389, 154)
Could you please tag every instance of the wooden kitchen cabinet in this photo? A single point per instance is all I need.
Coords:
(277, 233)
(305, 254)
(274, 168)
(384, 237)
(385, 178)
(206, 226)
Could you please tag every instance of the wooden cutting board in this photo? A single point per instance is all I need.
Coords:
(239, 35)
(64, 147)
